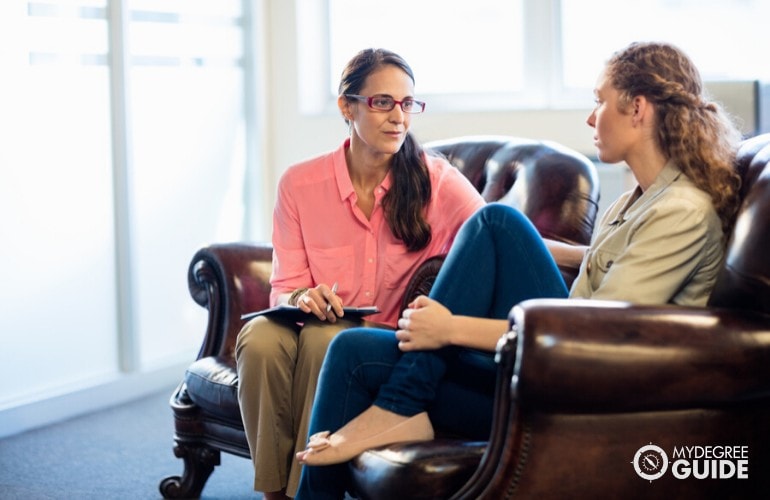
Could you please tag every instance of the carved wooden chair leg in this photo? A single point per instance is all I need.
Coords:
(199, 463)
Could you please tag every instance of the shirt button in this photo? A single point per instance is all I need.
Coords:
(588, 267)
(371, 260)
(368, 294)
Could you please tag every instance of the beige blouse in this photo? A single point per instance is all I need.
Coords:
(663, 245)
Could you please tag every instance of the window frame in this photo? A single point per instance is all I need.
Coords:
(544, 87)
(542, 65)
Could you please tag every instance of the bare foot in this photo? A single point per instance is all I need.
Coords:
(372, 428)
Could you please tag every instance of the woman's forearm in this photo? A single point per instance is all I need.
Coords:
(565, 254)
(477, 333)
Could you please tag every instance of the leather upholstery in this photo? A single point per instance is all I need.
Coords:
(413, 464)
(745, 278)
(583, 385)
(556, 187)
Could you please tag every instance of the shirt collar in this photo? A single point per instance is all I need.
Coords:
(344, 184)
(668, 175)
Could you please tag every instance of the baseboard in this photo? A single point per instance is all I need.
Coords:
(55, 408)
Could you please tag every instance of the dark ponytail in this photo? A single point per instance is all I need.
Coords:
(410, 192)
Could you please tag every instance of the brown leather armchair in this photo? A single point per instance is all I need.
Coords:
(590, 391)
(556, 187)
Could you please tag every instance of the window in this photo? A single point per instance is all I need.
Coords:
(185, 85)
(719, 35)
(505, 54)
(424, 26)
(455, 47)
(56, 195)
(124, 145)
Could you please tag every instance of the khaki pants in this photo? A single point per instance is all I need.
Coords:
(278, 366)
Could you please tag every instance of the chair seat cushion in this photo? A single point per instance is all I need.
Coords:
(431, 469)
(212, 384)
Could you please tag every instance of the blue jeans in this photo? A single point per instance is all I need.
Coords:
(498, 259)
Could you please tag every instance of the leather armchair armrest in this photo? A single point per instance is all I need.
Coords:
(229, 280)
(422, 280)
(590, 380)
(601, 356)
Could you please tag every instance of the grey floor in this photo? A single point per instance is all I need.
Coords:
(119, 453)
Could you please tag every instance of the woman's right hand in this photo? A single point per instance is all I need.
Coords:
(316, 301)
(428, 324)
(424, 325)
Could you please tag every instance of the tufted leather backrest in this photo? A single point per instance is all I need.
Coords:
(556, 187)
(744, 281)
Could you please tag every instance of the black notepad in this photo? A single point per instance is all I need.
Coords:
(294, 313)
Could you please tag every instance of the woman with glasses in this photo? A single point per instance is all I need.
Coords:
(662, 242)
(349, 228)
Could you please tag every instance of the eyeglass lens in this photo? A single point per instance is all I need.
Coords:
(387, 103)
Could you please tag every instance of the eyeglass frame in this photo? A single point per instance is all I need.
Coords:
(368, 101)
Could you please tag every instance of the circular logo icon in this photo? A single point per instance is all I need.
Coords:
(650, 462)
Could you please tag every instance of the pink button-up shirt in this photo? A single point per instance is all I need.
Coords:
(321, 236)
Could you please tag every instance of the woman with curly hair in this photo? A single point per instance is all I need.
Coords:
(662, 242)
(693, 132)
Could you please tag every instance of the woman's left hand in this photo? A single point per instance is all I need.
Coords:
(424, 325)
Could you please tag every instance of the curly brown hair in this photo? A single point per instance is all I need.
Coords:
(694, 132)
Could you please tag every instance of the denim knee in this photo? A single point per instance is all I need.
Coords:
(504, 216)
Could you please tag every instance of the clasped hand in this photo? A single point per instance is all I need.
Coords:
(424, 325)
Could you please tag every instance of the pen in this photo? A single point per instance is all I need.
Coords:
(334, 291)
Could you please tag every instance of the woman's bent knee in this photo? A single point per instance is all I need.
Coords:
(265, 339)
(364, 343)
